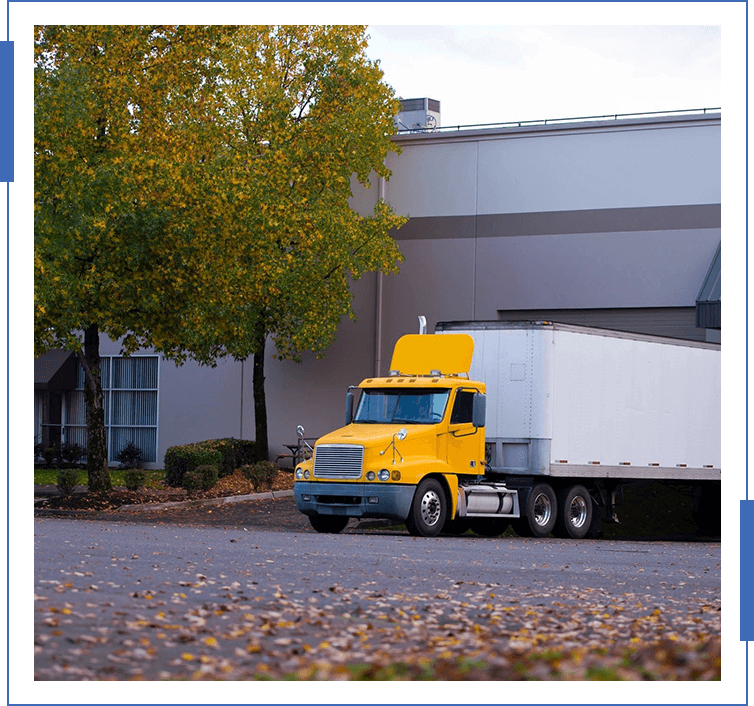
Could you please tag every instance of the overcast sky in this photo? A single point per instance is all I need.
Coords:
(488, 74)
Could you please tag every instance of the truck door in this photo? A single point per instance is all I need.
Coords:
(464, 441)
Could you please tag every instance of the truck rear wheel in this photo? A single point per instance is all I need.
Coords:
(428, 509)
(541, 512)
(328, 524)
(575, 513)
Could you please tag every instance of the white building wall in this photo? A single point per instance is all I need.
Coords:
(593, 166)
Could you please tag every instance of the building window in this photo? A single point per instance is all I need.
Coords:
(130, 387)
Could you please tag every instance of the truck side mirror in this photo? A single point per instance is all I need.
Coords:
(479, 413)
(349, 407)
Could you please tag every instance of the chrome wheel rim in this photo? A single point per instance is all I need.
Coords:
(542, 509)
(430, 508)
(578, 512)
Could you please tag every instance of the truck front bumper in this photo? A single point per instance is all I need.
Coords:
(390, 501)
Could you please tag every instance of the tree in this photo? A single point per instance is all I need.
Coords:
(302, 110)
(191, 193)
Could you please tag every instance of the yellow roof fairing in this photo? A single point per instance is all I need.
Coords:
(418, 354)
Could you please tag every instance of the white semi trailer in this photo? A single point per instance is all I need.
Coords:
(571, 406)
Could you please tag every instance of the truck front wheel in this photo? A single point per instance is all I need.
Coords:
(575, 515)
(541, 512)
(428, 509)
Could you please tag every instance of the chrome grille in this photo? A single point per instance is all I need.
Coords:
(338, 461)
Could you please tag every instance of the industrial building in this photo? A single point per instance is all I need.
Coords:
(610, 222)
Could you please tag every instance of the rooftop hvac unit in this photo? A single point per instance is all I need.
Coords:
(418, 115)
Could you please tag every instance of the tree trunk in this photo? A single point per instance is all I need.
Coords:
(262, 450)
(96, 434)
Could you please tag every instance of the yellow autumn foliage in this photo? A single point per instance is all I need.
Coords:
(192, 185)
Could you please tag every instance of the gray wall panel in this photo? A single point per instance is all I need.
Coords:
(592, 270)
(605, 220)
(603, 169)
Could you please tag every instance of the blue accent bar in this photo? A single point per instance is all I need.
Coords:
(747, 570)
(6, 112)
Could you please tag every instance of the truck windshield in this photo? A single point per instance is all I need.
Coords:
(414, 406)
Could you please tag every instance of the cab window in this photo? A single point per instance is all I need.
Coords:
(463, 408)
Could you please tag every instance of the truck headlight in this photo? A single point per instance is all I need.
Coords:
(370, 475)
(306, 474)
(299, 473)
(384, 474)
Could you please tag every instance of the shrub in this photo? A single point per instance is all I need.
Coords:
(246, 452)
(227, 449)
(192, 481)
(71, 454)
(235, 453)
(38, 448)
(261, 474)
(68, 479)
(248, 473)
(208, 475)
(134, 478)
(231, 453)
(50, 454)
(180, 460)
(129, 456)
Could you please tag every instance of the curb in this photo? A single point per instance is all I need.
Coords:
(211, 501)
(147, 507)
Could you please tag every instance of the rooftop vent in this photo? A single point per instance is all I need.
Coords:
(418, 115)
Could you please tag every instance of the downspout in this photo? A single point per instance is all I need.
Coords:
(240, 433)
(378, 300)
(378, 328)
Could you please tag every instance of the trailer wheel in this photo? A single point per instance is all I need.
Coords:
(428, 509)
(575, 514)
(541, 512)
(328, 524)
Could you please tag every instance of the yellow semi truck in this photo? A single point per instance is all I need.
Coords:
(567, 416)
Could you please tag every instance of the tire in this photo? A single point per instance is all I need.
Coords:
(541, 512)
(328, 524)
(595, 529)
(574, 512)
(428, 509)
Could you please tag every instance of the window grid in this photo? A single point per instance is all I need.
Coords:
(131, 411)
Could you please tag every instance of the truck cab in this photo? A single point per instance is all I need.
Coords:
(401, 453)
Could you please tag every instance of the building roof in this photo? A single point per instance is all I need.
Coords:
(682, 118)
(55, 370)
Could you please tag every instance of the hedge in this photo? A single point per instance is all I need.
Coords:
(226, 454)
